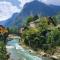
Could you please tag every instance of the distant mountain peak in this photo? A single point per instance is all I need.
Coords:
(34, 7)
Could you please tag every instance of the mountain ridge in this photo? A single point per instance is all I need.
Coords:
(34, 7)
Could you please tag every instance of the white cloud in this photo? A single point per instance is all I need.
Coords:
(43, 0)
(6, 10)
(54, 2)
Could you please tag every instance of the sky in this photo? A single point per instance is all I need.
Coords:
(9, 7)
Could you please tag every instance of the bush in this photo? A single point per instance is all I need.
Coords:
(3, 52)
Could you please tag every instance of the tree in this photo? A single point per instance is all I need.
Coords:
(54, 37)
(57, 18)
(35, 17)
(29, 19)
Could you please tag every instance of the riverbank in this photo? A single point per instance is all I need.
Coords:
(42, 53)
(17, 52)
(48, 53)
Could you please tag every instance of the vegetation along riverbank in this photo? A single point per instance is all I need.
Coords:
(3, 35)
(39, 34)
(42, 34)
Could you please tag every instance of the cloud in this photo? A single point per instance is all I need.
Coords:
(7, 10)
(43, 0)
(13, 2)
(9, 7)
(54, 2)
(18, 3)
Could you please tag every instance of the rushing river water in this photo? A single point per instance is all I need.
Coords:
(18, 53)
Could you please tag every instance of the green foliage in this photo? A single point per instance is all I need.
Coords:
(43, 35)
(35, 37)
(57, 18)
(54, 37)
(3, 52)
(13, 30)
(43, 23)
(29, 19)
(30, 34)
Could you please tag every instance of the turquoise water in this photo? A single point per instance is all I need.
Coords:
(18, 53)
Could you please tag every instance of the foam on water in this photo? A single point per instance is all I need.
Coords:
(9, 47)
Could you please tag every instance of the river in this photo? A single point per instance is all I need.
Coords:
(17, 52)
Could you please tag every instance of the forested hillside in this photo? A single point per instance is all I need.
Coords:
(41, 32)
